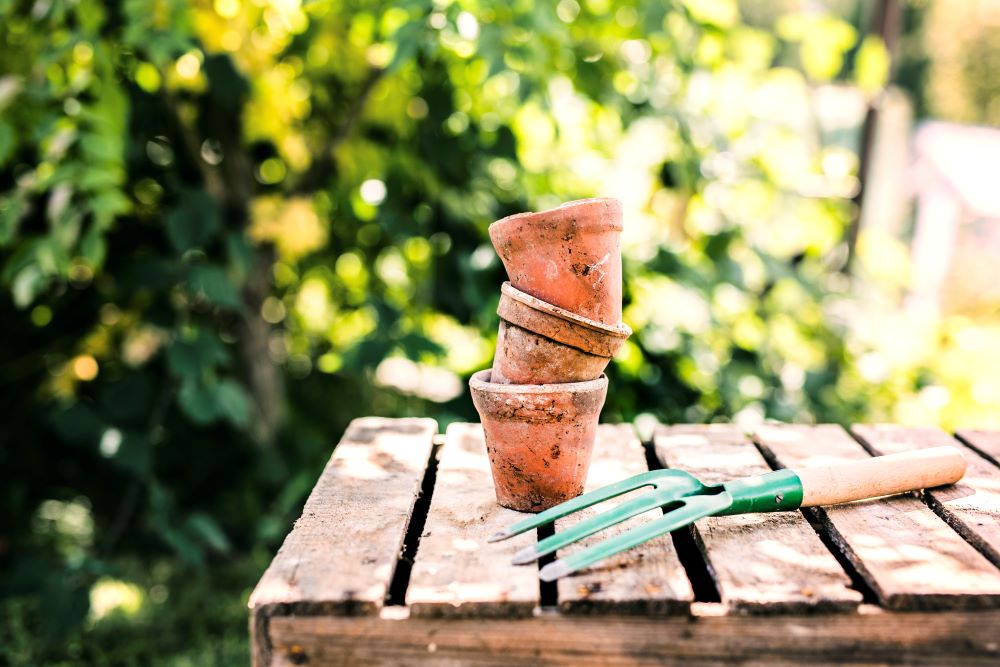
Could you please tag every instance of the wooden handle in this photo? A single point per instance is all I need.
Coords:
(880, 476)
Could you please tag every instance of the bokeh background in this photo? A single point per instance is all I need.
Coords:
(229, 227)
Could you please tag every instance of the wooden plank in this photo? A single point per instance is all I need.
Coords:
(908, 556)
(342, 552)
(872, 637)
(761, 563)
(456, 572)
(972, 507)
(648, 579)
(987, 443)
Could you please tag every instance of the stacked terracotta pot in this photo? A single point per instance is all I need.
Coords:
(560, 324)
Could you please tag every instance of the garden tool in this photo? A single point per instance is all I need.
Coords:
(685, 499)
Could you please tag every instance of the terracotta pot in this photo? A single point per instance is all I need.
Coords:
(568, 256)
(539, 343)
(538, 437)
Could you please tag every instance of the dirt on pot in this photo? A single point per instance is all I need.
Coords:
(569, 256)
(539, 438)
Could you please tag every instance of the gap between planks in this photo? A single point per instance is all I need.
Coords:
(761, 563)
(396, 595)
(971, 506)
(908, 556)
(688, 551)
(986, 443)
(303, 579)
(340, 555)
(457, 574)
(648, 579)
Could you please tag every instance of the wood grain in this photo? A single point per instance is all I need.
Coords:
(972, 506)
(987, 443)
(648, 579)
(761, 563)
(908, 556)
(456, 572)
(872, 637)
(340, 556)
(878, 476)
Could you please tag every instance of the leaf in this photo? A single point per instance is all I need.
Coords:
(107, 205)
(135, 453)
(204, 527)
(197, 402)
(190, 358)
(8, 142)
(66, 601)
(232, 402)
(155, 274)
(77, 423)
(416, 345)
(184, 546)
(871, 64)
(128, 399)
(12, 209)
(229, 88)
(719, 13)
(407, 40)
(213, 284)
(93, 248)
(28, 284)
(204, 403)
(193, 222)
(239, 253)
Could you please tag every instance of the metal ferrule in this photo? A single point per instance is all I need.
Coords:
(778, 490)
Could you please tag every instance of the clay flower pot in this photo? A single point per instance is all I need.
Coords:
(540, 343)
(538, 437)
(568, 256)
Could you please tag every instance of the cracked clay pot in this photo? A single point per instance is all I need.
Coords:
(539, 438)
(539, 343)
(568, 256)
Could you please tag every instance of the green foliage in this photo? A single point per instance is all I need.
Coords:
(193, 221)
(218, 223)
(169, 617)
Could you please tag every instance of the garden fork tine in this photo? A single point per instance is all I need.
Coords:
(687, 500)
(626, 510)
(688, 511)
(655, 478)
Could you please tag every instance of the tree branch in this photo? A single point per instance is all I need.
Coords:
(314, 177)
(130, 500)
(192, 146)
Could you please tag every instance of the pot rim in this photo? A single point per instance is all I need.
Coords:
(539, 217)
(620, 330)
(480, 382)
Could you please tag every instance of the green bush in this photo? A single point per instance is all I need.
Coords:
(218, 222)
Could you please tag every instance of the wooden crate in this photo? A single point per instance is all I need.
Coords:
(388, 564)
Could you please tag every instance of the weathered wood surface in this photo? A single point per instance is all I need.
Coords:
(972, 506)
(342, 552)
(908, 556)
(987, 443)
(872, 637)
(648, 579)
(761, 563)
(457, 573)
(322, 601)
(343, 549)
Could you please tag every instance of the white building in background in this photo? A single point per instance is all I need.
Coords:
(956, 237)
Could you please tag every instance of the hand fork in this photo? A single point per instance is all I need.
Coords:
(685, 500)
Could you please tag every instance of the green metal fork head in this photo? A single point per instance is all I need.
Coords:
(666, 488)
(682, 496)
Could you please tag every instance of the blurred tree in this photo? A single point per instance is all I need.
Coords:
(226, 228)
(962, 42)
